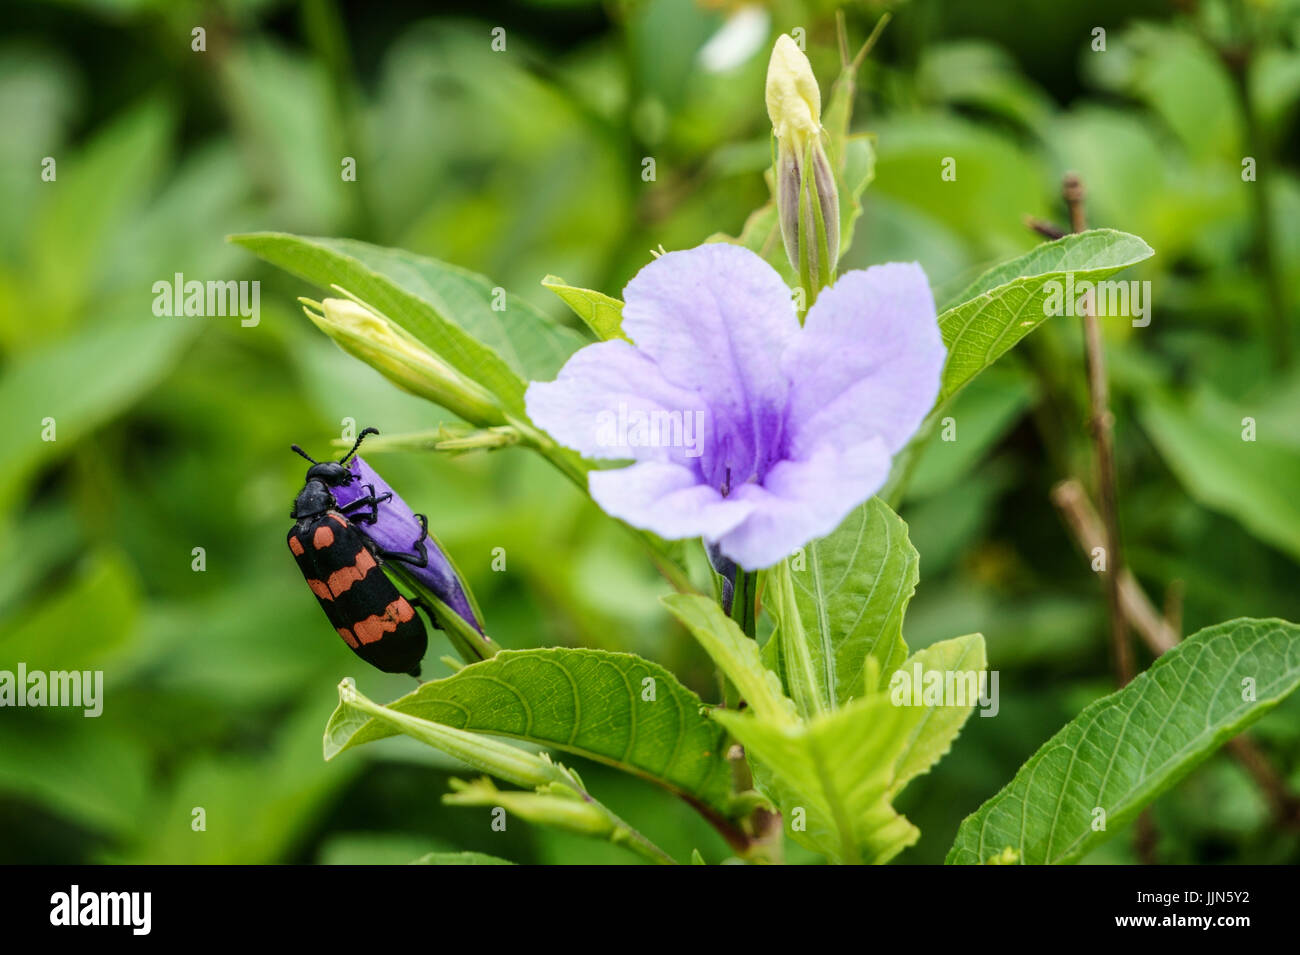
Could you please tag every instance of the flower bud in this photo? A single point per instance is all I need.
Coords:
(557, 806)
(794, 102)
(807, 198)
(402, 359)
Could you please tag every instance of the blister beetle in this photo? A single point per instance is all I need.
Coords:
(342, 565)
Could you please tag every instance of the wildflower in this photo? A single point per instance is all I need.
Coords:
(798, 425)
(397, 529)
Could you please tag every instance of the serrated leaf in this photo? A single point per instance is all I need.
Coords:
(601, 313)
(831, 776)
(847, 603)
(1127, 748)
(447, 308)
(1006, 303)
(588, 702)
(842, 768)
(936, 727)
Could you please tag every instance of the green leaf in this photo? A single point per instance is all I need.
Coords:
(602, 314)
(1006, 303)
(1253, 481)
(852, 178)
(1127, 748)
(447, 308)
(558, 806)
(852, 155)
(936, 727)
(847, 603)
(559, 797)
(459, 858)
(842, 768)
(588, 702)
(831, 776)
(735, 654)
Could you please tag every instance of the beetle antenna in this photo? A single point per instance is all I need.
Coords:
(361, 437)
(294, 447)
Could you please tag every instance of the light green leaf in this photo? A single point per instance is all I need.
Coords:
(937, 727)
(1255, 481)
(1007, 303)
(459, 858)
(602, 314)
(735, 654)
(590, 702)
(853, 178)
(559, 799)
(832, 775)
(1127, 748)
(837, 772)
(846, 604)
(447, 308)
(560, 807)
(852, 156)
(356, 712)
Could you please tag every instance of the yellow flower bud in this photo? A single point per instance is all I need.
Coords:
(807, 197)
(794, 103)
(402, 359)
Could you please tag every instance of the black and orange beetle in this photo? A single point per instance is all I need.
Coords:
(343, 568)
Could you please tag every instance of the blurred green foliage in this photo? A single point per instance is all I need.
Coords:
(172, 433)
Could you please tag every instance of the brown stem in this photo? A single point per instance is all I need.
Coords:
(1101, 425)
(1072, 501)
(1048, 230)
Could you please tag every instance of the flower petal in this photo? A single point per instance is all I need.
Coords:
(867, 363)
(397, 529)
(803, 500)
(666, 499)
(611, 401)
(716, 319)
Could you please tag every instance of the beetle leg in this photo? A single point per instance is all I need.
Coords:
(421, 549)
(369, 500)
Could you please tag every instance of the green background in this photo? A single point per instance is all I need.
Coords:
(173, 433)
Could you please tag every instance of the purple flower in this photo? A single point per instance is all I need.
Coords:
(747, 429)
(397, 529)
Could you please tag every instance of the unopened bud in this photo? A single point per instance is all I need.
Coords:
(807, 198)
(402, 359)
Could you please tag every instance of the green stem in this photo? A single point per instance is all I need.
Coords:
(743, 599)
(623, 833)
